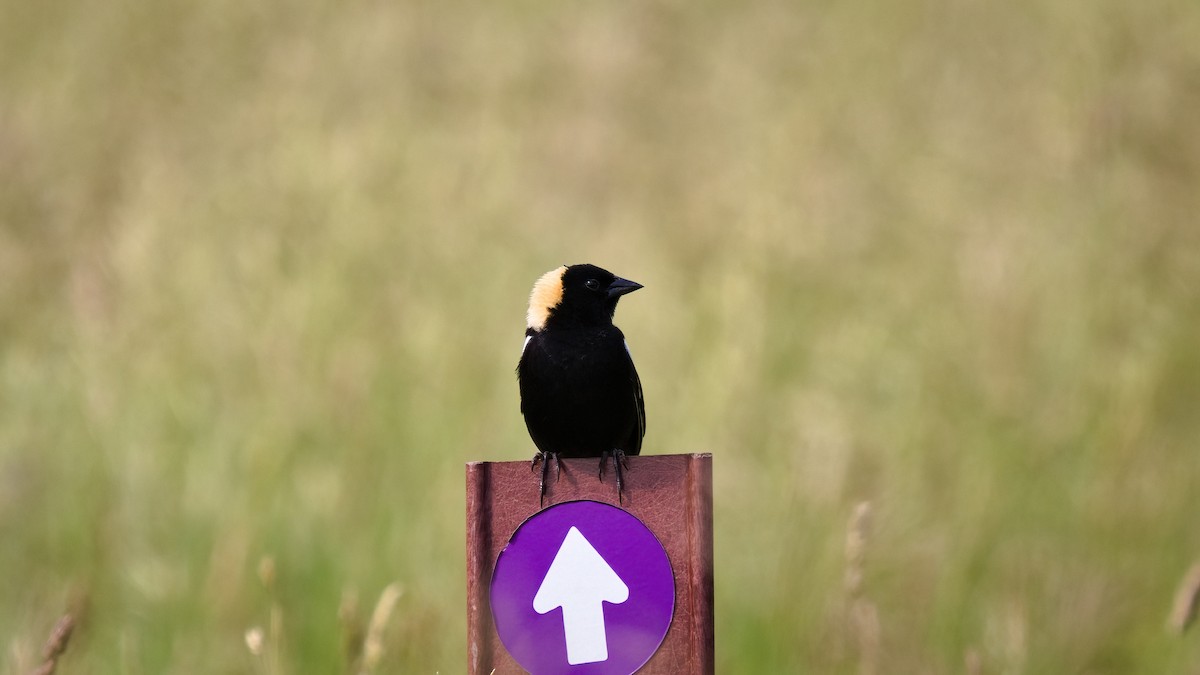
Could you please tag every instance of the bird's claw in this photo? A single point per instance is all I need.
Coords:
(544, 459)
(621, 464)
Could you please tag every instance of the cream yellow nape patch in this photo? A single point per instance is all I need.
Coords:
(547, 293)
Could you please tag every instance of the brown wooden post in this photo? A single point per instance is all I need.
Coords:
(669, 494)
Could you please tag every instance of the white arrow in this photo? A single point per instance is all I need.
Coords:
(580, 581)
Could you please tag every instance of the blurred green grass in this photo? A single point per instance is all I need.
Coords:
(262, 280)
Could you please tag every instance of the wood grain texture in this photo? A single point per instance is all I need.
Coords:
(671, 494)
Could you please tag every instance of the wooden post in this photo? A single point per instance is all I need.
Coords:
(670, 494)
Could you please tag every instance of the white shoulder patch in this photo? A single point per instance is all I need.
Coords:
(530, 337)
(627, 349)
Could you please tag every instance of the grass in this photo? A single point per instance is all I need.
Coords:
(262, 281)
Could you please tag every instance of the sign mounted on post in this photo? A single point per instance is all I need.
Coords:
(585, 586)
(561, 596)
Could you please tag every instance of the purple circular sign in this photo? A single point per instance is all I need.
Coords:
(582, 588)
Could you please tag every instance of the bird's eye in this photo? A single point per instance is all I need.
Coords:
(592, 284)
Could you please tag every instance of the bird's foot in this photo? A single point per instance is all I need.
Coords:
(621, 464)
(544, 459)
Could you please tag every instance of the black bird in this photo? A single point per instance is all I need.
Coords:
(580, 393)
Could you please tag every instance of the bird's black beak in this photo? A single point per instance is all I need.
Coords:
(621, 286)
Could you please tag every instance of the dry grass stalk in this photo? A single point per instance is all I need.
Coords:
(254, 641)
(856, 547)
(864, 620)
(266, 572)
(267, 645)
(372, 650)
(56, 645)
(1187, 598)
(862, 615)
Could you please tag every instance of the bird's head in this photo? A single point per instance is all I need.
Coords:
(576, 295)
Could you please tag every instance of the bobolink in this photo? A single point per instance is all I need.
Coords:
(580, 393)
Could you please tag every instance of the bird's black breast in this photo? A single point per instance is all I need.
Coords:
(580, 393)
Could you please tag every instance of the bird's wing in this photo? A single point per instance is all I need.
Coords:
(639, 402)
